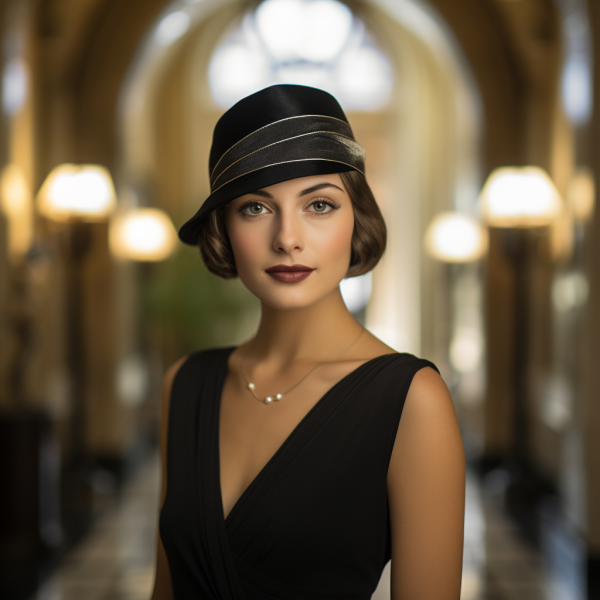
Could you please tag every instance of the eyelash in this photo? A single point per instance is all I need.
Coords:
(333, 205)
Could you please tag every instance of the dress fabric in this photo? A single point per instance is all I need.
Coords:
(314, 523)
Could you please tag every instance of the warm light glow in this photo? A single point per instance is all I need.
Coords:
(171, 28)
(84, 192)
(14, 191)
(466, 350)
(519, 197)
(582, 194)
(452, 237)
(296, 29)
(145, 234)
(16, 204)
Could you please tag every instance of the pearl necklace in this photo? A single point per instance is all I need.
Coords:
(278, 397)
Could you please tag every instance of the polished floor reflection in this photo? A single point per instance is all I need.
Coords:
(116, 559)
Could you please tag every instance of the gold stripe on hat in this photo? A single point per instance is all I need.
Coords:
(271, 125)
(332, 133)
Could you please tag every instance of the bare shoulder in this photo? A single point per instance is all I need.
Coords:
(428, 428)
(426, 492)
(429, 391)
(428, 409)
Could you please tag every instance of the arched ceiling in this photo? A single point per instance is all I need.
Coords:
(87, 46)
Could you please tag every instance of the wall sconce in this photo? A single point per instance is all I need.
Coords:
(76, 196)
(520, 200)
(519, 197)
(455, 238)
(143, 234)
(77, 192)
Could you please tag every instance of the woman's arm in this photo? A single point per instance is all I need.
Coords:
(163, 589)
(426, 491)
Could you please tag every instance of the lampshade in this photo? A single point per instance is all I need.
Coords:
(519, 197)
(456, 238)
(84, 192)
(144, 234)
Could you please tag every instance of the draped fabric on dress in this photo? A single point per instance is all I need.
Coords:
(314, 523)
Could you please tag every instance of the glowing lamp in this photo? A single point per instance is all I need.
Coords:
(144, 234)
(519, 197)
(83, 192)
(455, 238)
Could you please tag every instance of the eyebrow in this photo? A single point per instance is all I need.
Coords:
(319, 186)
(305, 192)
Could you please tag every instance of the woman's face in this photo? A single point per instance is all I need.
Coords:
(306, 221)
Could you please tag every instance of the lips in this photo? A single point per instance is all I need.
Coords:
(289, 274)
(286, 268)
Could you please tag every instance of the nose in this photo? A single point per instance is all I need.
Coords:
(288, 232)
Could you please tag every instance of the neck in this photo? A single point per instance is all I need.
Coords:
(320, 332)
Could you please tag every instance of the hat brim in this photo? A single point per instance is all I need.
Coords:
(189, 232)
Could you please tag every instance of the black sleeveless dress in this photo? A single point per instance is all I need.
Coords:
(314, 523)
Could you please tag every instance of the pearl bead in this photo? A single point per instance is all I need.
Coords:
(278, 397)
(268, 400)
(250, 386)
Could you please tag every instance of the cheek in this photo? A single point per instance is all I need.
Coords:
(338, 240)
(246, 245)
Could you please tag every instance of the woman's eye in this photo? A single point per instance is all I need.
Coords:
(320, 206)
(255, 209)
(324, 207)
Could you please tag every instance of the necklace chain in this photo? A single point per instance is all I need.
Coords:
(277, 397)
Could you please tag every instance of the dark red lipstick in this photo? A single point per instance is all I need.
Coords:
(289, 274)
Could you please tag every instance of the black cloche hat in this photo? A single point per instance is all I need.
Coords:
(279, 133)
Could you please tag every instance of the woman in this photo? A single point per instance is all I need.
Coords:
(287, 470)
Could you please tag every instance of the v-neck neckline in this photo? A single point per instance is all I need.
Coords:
(223, 372)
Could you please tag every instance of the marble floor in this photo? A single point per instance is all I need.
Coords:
(115, 561)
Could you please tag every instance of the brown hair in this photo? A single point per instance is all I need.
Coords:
(368, 238)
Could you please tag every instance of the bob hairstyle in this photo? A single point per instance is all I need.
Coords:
(368, 238)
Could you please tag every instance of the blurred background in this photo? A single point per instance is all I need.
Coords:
(481, 127)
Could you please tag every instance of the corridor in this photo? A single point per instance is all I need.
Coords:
(115, 561)
(479, 121)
